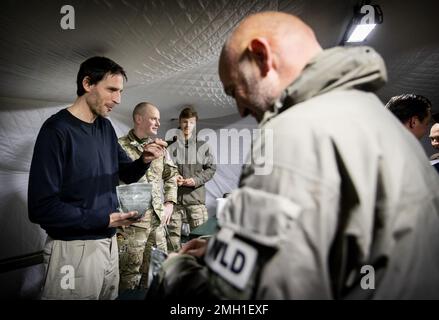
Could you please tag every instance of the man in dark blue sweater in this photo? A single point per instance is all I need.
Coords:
(76, 166)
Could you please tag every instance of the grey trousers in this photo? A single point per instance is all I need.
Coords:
(81, 269)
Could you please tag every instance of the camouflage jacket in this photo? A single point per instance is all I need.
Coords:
(161, 174)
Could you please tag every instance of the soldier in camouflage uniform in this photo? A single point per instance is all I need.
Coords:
(136, 241)
(196, 166)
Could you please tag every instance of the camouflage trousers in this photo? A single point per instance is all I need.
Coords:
(135, 244)
(194, 215)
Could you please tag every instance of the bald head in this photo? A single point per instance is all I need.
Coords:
(275, 26)
(146, 118)
(268, 49)
(434, 136)
(281, 31)
(142, 109)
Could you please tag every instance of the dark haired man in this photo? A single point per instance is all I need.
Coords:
(76, 166)
(413, 110)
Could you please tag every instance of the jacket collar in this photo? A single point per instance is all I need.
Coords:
(337, 68)
(132, 136)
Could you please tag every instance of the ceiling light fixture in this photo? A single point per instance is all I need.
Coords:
(365, 19)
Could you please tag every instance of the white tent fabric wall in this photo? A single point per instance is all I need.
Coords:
(229, 169)
(229, 160)
(20, 122)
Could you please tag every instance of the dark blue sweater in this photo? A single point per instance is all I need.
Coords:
(75, 169)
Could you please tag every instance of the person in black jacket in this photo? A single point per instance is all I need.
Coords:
(76, 166)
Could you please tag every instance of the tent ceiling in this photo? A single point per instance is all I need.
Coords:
(170, 48)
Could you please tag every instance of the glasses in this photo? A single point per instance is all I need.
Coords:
(435, 138)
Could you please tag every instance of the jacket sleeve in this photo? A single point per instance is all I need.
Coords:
(45, 181)
(169, 175)
(209, 168)
(286, 264)
(130, 171)
(181, 276)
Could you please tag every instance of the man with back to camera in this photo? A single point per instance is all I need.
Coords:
(76, 166)
(136, 241)
(414, 112)
(348, 194)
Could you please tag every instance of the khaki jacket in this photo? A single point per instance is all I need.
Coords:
(194, 160)
(350, 189)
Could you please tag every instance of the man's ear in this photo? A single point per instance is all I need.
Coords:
(86, 84)
(261, 51)
(413, 121)
(137, 118)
